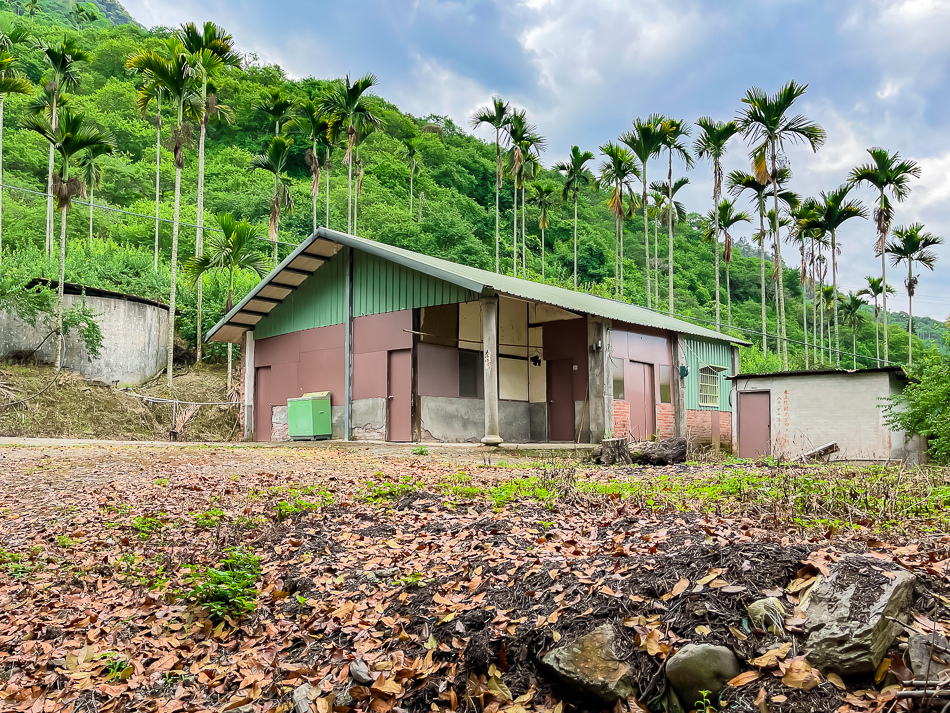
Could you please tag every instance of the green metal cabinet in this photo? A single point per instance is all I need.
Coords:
(308, 417)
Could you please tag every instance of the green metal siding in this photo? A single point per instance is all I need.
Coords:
(381, 285)
(378, 286)
(700, 353)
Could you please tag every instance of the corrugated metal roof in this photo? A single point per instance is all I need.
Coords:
(899, 370)
(482, 281)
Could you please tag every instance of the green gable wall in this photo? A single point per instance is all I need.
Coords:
(378, 286)
(700, 353)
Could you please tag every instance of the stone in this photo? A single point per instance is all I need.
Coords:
(303, 695)
(768, 614)
(590, 666)
(359, 672)
(701, 667)
(848, 625)
(926, 663)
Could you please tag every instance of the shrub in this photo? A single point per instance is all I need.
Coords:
(924, 406)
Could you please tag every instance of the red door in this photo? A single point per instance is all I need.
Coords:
(755, 424)
(262, 395)
(561, 400)
(638, 390)
(400, 395)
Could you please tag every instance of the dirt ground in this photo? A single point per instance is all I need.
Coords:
(196, 578)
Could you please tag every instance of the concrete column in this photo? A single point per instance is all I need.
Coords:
(490, 346)
(600, 390)
(250, 384)
(679, 387)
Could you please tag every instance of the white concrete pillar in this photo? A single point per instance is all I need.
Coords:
(600, 390)
(490, 346)
(250, 385)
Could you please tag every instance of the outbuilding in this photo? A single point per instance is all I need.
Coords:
(834, 414)
(415, 348)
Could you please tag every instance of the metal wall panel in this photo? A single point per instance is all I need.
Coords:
(703, 352)
(318, 302)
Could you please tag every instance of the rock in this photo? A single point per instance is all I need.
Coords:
(303, 695)
(359, 672)
(701, 667)
(847, 621)
(590, 665)
(927, 664)
(768, 614)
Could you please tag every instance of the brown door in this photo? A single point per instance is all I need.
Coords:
(755, 424)
(638, 390)
(400, 395)
(561, 400)
(262, 395)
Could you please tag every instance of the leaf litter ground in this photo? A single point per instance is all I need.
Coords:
(445, 578)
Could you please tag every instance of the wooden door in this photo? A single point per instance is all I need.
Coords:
(561, 400)
(755, 424)
(639, 393)
(262, 405)
(399, 411)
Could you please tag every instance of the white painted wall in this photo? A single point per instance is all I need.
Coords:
(811, 410)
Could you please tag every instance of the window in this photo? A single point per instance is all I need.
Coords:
(666, 394)
(616, 366)
(709, 387)
(470, 370)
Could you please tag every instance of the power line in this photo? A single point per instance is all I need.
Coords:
(129, 212)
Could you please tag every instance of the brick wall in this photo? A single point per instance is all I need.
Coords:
(621, 418)
(698, 423)
(664, 420)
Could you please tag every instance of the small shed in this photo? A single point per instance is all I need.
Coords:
(836, 413)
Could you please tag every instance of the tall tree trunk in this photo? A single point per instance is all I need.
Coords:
(884, 320)
(1, 177)
(542, 255)
(497, 194)
(716, 184)
(877, 336)
(410, 190)
(765, 331)
(49, 182)
(656, 263)
(274, 237)
(670, 211)
(92, 199)
(646, 238)
(854, 346)
(349, 196)
(834, 286)
(575, 240)
(158, 174)
(328, 195)
(910, 314)
(173, 277)
(199, 232)
(778, 265)
(805, 322)
(524, 234)
(514, 233)
(61, 338)
(728, 299)
(317, 194)
(623, 277)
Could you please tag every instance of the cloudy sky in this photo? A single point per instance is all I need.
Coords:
(877, 72)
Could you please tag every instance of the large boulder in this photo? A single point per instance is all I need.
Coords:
(590, 666)
(701, 667)
(848, 623)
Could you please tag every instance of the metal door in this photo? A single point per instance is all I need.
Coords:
(262, 410)
(639, 393)
(561, 400)
(399, 411)
(755, 424)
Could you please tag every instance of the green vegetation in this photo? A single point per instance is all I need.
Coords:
(209, 519)
(382, 491)
(924, 406)
(420, 451)
(230, 588)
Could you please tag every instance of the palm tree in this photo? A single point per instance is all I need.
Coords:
(712, 145)
(33, 7)
(153, 91)
(498, 116)
(61, 59)
(274, 160)
(829, 215)
(209, 50)
(674, 131)
(792, 201)
(876, 288)
(576, 174)
(646, 141)
(912, 245)
(723, 219)
(657, 211)
(544, 196)
(71, 135)
(348, 108)
(277, 106)
(851, 306)
(522, 136)
(91, 171)
(173, 77)
(10, 83)
(315, 127)
(767, 124)
(618, 171)
(230, 251)
(889, 175)
(738, 182)
(410, 152)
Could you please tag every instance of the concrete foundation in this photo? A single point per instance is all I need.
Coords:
(369, 421)
(134, 340)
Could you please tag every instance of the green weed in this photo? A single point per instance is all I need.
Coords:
(230, 588)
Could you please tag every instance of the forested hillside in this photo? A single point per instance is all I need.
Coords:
(452, 213)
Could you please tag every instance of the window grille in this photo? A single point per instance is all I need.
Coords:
(709, 387)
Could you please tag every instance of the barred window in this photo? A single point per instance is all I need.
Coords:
(709, 387)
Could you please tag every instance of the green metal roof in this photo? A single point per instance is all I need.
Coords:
(483, 281)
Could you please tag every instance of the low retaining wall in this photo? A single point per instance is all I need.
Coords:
(134, 340)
